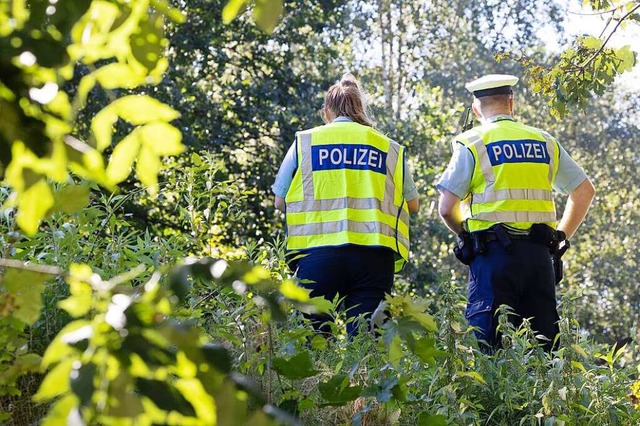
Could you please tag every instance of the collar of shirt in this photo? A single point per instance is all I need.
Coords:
(342, 119)
(498, 117)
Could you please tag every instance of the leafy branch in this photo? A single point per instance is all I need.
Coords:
(599, 51)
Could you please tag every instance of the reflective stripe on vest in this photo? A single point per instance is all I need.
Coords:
(518, 206)
(320, 214)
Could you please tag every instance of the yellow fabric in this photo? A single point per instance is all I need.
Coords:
(518, 175)
(386, 210)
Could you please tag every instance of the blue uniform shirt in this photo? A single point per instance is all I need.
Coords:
(290, 162)
(457, 177)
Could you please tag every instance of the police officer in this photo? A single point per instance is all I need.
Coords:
(496, 195)
(347, 192)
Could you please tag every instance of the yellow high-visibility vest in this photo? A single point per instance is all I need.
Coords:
(515, 166)
(347, 189)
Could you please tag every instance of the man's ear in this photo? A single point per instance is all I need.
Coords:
(476, 108)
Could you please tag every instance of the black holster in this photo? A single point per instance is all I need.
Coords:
(557, 243)
(464, 249)
(556, 260)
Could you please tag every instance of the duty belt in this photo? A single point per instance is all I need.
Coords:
(492, 236)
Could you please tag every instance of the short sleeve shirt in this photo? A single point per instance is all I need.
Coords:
(457, 177)
(288, 167)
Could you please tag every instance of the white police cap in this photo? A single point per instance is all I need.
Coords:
(492, 84)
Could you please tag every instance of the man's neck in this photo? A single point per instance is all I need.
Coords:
(490, 112)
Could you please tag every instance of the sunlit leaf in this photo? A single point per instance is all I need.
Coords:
(162, 138)
(147, 168)
(26, 287)
(267, 13)
(472, 374)
(123, 157)
(33, 205)
(579, 350)
(58, 349)
(116, 75)
(232, 9)
(59, 412)
(79, 302)
(56, 382)
(290, 290)
(142, 109)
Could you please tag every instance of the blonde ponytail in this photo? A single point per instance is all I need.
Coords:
(346, 98)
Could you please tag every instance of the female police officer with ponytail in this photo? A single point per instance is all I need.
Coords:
(346, 192)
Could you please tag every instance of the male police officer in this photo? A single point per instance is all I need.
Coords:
(496, 195)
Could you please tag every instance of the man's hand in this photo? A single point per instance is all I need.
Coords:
(413, 205)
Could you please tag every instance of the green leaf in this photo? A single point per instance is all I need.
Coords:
(143, 109)
(298, 367)
(148, 41)
(102, 127)
(592, 42)
(426, 350)
(80, 300)
(173, 13)
(472, 374)
(123, 157)
(56, 382)
(337, 391)
(59, 413)
(627, 59)
(425, 320)
(59, 349)
(290, 290)
(162, 138)
(33, 205)
(71, 198)
(26, 287)
(427, 419)
(395, 351)
(579, 350)
(215, 354)
(147, 168)
(117, 75)
(266, 14)
(232, 9)
(319, 343)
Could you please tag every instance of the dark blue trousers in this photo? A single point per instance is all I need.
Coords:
(360, 275)
(521, 277)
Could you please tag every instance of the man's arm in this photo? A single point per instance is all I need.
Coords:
(280, 204)
(449, 209)
(577, 207)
